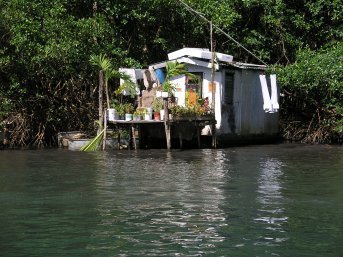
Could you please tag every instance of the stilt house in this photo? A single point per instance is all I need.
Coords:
(246, 100)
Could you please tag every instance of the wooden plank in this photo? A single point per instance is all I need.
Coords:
(166, 123)
(214, 136)
(198, 134)
(180, 139)
(118, 137)
(133, 137)
(105, 134)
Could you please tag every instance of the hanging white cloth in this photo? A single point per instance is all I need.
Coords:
(149, 79)
(146, 78)
(270, 103)
(267, 105)
(274, 97)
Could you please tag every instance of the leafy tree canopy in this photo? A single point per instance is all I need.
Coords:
(48, 83)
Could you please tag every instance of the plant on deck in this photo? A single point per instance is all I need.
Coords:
(174, 69)
(193, 111)
(157, 104)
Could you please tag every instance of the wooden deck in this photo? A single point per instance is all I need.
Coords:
(134, 126)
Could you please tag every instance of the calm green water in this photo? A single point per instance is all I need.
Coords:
(275, 200)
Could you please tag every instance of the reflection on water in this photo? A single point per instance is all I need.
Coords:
(176, 208)
(270, 200)
(248, 201)
(269, 185)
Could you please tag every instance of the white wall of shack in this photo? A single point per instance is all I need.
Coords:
(248, 114)
(180, 85)
(180, 89)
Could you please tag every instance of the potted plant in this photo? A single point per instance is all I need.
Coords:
(139, 113)
(128, 110)
(178, 112)
(136, 116)
(173, 69)
(157, 105)
(118, 110)
(114, 111)
(148, 113)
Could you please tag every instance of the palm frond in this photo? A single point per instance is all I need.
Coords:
(175, 69)
(101, 61)
(94, 144)
(128, 84)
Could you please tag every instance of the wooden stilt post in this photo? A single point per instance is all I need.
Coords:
(213, 103)
(101, 92)
(214, 136)
(133, 137)
(180, 138)
(140, 137)
(166, 123)
(198, 134)
(105, 135)
(118, 137)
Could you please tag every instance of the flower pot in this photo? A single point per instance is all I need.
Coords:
(128, 116)
(162, 114)
(165, 94)
(136, 117)
(112, 114)
(162, 94)
(148, 116)
(157, 116)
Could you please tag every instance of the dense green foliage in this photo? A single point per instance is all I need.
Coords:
(47, 83)
(313, 95)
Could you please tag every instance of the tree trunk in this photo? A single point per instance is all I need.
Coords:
(101, 89)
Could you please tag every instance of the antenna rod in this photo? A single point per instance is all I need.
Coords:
(213, 91)
(190, 9)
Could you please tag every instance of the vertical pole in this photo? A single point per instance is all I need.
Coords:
(166, 122)
(133, 136)
(101, 88)
(130, 136)
(214, 140)
(212, 68)
(105, 135)
(180, 138)
(198, 134)
(214, 136)
(118, 136)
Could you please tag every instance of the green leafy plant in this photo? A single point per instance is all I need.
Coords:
(140, 111)
(193, 111)
(95, 143)
(179, 111)
(128, 85)
(115, 104)
(175, 69)
(104, 63)
(313, 93)
(157, 104)
(128, 107)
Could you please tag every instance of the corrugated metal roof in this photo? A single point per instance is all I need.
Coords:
(239, 65)
(242, 65)
(202, 57)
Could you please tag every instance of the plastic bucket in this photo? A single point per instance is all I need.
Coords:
(160, 75)
(112, 114)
